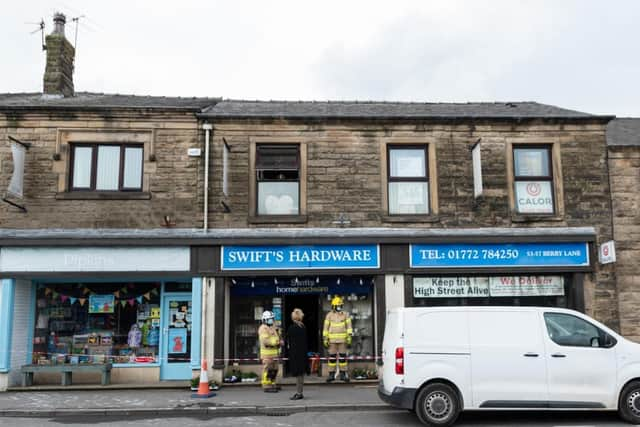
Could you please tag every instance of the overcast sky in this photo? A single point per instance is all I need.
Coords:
(580, 54)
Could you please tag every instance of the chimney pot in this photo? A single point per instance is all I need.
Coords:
(58, 23)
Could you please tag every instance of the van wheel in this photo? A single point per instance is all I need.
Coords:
(437, 405)
(629, 405)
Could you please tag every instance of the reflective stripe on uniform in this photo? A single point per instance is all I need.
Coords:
(268, 352)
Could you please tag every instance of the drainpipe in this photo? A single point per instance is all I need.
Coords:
(207, 127)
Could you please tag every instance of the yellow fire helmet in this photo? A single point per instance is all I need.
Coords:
(337, 300)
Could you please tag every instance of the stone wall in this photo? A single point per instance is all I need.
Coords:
(173, 187)
(624, 167)
(345, 160)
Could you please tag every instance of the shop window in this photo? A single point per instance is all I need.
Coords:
(408, 180)
(106, 167)
(97, 323)
(278, 179)
(251, 296)
(525, 290)
(533, 180)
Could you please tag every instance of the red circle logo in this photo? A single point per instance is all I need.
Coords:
(534, 189)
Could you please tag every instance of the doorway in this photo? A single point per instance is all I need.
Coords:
(310, 306)
(175, 352)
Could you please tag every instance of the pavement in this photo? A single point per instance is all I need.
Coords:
(229, 401)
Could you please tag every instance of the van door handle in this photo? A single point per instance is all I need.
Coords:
(531, 355)
(558, 355)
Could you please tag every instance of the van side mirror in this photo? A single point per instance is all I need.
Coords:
(595, 342)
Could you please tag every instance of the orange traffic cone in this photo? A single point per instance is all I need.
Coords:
(203, 387)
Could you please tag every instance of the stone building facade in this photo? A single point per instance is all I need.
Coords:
(623, 140)
(127, 224)
(165, 127)
(346, 164)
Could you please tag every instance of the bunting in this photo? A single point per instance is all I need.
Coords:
(119, 295)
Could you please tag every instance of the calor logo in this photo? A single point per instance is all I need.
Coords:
(534, 189)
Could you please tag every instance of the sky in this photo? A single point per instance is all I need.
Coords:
(577, 54)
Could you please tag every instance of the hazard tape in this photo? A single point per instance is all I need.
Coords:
(111, 358)
(257, 359)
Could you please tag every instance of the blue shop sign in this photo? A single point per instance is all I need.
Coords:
(499, 255)
(300, 257)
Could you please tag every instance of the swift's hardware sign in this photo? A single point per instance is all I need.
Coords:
(300, 257)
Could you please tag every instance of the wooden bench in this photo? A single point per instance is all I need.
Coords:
(66, 370)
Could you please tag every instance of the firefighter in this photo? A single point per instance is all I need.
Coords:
(269, 352)
(337, 333)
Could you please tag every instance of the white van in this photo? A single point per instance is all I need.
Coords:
(438, 361)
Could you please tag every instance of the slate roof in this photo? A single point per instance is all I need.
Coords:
(624, 131)
(229, 236)
(101, 101)
(372, 109)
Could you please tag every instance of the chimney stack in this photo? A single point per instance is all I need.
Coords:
(58, 74)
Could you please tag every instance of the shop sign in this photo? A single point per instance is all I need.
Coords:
(450, 287)
(527, 286)
(300, 257)
(607, 253)
(478, 287)
(31, 259)
(534, 197)
(499, 255)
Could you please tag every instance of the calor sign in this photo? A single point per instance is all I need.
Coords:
(534, 197)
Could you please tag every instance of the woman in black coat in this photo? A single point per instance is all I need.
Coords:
(297, 344)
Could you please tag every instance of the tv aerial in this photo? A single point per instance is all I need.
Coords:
(41, 29)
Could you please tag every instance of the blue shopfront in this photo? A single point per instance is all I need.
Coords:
(280, 278)
(138, 309)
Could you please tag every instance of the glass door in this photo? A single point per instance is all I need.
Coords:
(176, 343)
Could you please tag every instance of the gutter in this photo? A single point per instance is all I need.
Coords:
(409, 118)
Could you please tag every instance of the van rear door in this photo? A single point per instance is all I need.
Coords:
(393, 339)
(507, 359)
(436, 345)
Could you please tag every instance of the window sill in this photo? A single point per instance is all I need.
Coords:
(516, 217)
(277, 219)
(136, 365)
(98, 195)
(410, 218)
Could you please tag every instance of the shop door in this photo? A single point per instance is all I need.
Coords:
(310, 307)
(175, 354)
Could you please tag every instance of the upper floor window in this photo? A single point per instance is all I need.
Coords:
(106, 167)
(408, 180)
(533, 180)
(278, 179)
